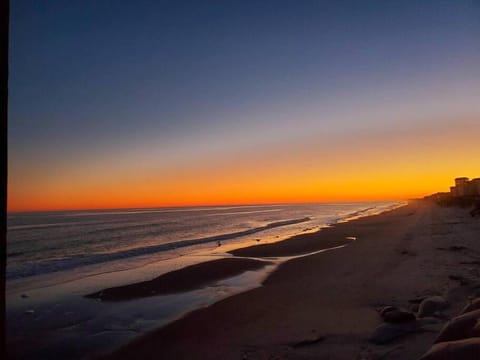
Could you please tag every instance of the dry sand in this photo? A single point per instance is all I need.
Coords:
(322, 306)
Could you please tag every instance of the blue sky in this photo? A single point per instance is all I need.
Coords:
(166, 81)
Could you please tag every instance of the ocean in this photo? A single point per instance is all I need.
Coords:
(107, 240)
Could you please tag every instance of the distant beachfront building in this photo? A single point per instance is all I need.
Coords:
(465, 193)
(476, 185)
(461, 186)
(461, 181)
(465, 187)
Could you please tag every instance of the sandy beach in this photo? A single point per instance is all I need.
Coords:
(324, 306)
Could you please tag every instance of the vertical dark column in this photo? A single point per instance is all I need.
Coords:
(4, 24)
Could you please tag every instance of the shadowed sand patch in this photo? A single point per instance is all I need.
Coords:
(186, 279)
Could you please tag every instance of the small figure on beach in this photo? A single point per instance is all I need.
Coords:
(219, 243)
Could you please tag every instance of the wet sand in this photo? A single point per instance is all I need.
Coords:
(298, 244)
(323, 306)
(186, 279)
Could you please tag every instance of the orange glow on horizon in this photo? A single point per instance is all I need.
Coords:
(229, 194)
(372, 167)
(234, 189)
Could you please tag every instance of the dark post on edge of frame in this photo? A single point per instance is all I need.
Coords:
(4, 23)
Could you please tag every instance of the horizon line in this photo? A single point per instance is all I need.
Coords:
(200, 205)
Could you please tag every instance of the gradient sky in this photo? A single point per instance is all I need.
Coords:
(164, 103)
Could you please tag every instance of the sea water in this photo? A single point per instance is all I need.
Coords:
(47, 242)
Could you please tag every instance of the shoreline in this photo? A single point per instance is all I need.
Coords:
(327, 295)
(252, 257)
(300, 244)
(50, 279)
(78, 267)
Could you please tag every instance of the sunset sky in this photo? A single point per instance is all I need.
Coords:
(166, 103)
